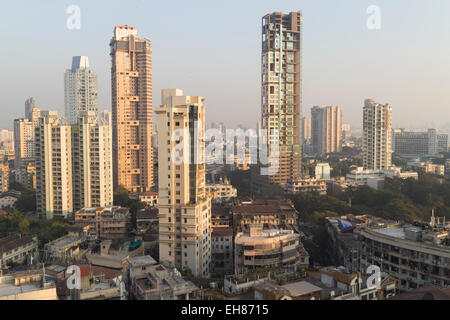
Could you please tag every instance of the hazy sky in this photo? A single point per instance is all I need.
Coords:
(212, 48)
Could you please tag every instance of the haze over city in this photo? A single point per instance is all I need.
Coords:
(212, 49)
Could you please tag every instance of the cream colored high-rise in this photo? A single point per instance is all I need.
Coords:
(53, 153)
(377, 135)
(24, 138)
(281, 86)
(184, 207)
(326, 129)
(131, 80)
(92, 162)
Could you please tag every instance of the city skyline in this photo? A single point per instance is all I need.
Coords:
(331, 77)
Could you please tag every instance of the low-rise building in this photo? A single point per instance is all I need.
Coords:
(146, 218)
(150, 198)
(306, 185)
(66, 248)
(8, 199)
(375, 178)
(27, 285)
(221, 191)
(105, 223)
(270, 212)
(257, 248)
(417, 255)
(151, 281)
(18, 249)
(221, 216)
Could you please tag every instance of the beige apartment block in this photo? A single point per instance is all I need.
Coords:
(326, 129)
(53, 155)
(281, 90)
(184, 206)
(92, 162)
(257, 248)
(131, 80)
(377, 135)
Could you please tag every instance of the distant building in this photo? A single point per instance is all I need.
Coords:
(323, 171)
(413, 144)
(80, 89)
(326, 129)
(375, 178)
(30, 104)
(306, 127)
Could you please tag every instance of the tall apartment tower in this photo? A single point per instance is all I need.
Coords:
(30, 104)
(131, 77)
(184, 207)
(91, 162)
(377, 135)
(53, 154)
(326, 129)
(23, 142)
(281, 86)
(80, 89)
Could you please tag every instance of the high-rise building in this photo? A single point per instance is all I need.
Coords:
(23, 142)
(73, 164)
(92, 162)
(53, 154)
(30, 104)
(306, 128)
(326, 129)
(281, 90)
(184, 206)
(377, 135)
(131, 79)
(80, 89)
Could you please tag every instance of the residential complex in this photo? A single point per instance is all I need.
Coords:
(131, 83)
(80, 89)
(326, 129)
(73, 164)
(377, 135)
(184, 205)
